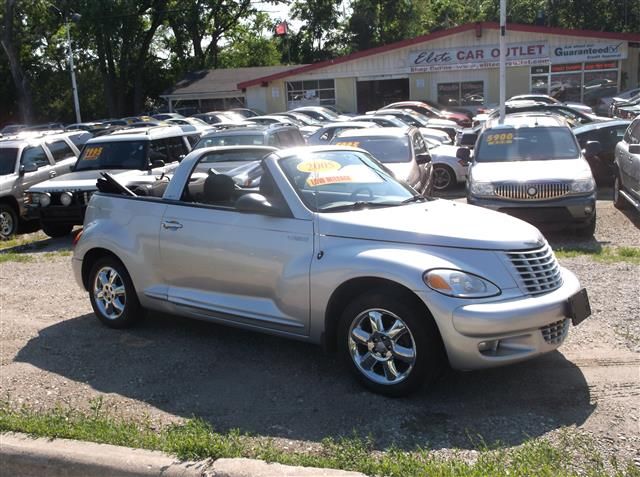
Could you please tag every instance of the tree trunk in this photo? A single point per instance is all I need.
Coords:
(143, 54)
(17, 73)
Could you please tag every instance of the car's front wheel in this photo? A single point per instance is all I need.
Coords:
(8, 221)
(392, 345)
(618, 201)
(112, 294)
(443, 177)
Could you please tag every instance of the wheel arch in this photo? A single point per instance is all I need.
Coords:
(353, 287)
(91, 257)
(11, 201)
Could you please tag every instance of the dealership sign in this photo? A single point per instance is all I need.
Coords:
(478, 57)
(589, 52)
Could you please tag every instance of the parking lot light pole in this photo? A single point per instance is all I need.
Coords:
(76, 102)
(503, 57)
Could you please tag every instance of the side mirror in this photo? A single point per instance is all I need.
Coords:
(634, 148)
(28, 168)
(256, 204)
(424, 158)
(463, 154)
(156, 163)
(592, 148)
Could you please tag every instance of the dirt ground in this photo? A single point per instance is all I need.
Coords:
(53, 351)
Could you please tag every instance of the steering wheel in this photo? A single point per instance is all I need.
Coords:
(357, 192)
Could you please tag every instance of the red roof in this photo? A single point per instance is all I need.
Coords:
(440, 34)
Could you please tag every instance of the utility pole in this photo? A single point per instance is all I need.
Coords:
(74, 86)
(503, 57)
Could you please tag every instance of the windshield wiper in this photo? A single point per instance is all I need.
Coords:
(415, 198)
(359, 205)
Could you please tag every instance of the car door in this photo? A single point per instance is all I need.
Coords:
(627, 163)
(63, 156)
(242, 268)
(34, 156)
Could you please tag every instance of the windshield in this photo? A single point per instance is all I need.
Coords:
(385, 149)
(332, 181)
(113, 155)
(231, 140)
(8, 161)
(526, 144)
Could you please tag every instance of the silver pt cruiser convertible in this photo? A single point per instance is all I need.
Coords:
(331, 249)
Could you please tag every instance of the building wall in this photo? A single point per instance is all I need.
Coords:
(256, 98)
(276, 96)
(346, 94)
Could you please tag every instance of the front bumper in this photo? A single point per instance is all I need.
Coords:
(495, 333)
(58, 214)
(554, 213)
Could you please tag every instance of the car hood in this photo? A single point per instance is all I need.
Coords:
(530, 171)
(84, 180)
(439, 222)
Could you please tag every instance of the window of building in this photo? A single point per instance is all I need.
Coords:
(311, 93)
(465, 93)
(579, 82)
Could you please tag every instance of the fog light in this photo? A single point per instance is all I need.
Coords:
(588, 209)
(66, 198)
(45, 199)
(485, 346)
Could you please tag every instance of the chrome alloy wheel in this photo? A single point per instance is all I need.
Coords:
(382, 346)
(6, 223)
(109, 293)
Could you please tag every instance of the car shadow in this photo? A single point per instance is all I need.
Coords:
(42, 245)
(280, 388)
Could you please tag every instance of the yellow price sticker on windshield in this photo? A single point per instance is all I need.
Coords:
(348, 143)
(318, 165)
(317, 181)
(92, 153)
(497, 139)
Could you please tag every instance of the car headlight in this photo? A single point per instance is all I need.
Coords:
(583, 186)
(482, 188)
(459, 284)
(66, 198)
(44, 199)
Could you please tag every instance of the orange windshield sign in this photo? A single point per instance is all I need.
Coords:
(318, 165)
(497, 139)
(92, 153)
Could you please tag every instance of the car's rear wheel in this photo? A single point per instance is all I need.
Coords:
(392, 346)
(443, 177)
(8, 221)
(112, 294)
(56, 230)
(618, 201)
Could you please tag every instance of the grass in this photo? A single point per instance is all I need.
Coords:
(14, 257)
(22, 241)
(572, 455)
(604, 254)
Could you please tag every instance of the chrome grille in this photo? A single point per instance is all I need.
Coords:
(532, 191)
(555, 332)
(537, 269)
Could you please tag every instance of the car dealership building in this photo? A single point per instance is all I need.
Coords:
(455, 67)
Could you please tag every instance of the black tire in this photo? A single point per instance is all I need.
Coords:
(443, 177)
(56, 230)
(587, 231)
(8, 221)
(423, 337)
(619, 202)
(131, 311)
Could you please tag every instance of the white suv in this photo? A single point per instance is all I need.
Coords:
(532, 167)
(626, 188)
(139, 155)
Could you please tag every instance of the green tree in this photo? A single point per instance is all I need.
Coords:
(251, 44)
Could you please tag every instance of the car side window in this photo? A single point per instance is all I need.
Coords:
(273, 140)
(419, 145)
(34, 155)
(60, 150)
(635, 132)
(176, 148)
(80, 139)
(158, 151)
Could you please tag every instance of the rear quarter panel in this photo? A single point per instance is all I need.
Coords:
(128, 228)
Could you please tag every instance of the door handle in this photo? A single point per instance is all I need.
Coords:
(52, 173)
(171, 225)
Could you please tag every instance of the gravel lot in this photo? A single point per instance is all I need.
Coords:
(53, 351)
